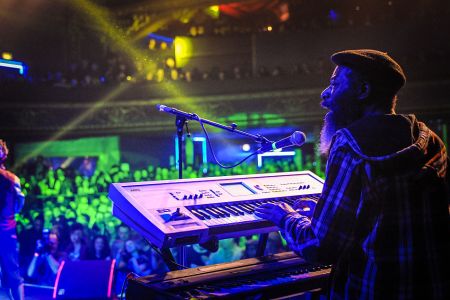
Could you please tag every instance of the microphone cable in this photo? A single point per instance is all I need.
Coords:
(212, 150)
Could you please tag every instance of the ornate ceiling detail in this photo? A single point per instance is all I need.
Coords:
(290, 107)
(142, 115)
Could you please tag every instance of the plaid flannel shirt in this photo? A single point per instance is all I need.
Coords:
(382, 221)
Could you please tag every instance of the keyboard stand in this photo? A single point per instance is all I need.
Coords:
(169, 259)
(262, 243)
(211, 245)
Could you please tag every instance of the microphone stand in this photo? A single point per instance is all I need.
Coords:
(231, 128)
(181, 120)
(168, 257)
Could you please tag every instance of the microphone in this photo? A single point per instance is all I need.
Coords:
(176, 112)
(164, 108)
(172, 110)
(298, 138)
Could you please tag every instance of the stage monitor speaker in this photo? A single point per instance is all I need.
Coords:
(85, 279)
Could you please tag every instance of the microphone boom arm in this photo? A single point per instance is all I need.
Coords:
(231, 128)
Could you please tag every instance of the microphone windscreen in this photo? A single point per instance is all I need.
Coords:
(298, 138)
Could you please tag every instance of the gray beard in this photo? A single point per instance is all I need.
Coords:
(327, 132)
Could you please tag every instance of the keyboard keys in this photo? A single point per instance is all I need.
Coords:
(230, 210)
(197, 214)
(211, 212)
(219, 214)
(240, 285)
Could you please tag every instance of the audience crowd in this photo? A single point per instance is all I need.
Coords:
(117, 68)
(68, 216)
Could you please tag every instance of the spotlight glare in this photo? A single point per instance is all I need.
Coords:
(246, 147)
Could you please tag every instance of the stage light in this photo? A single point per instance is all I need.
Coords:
(14, 65)
(332, 15)
(159, 75)
(213, 11)
(183, 51)
(151, 44)
(170, 62)
(246, 147)
(202, 140)
(160, 38)
(269, 28)
(193, 31)
(104, 22)
(273, 154)
(174, 74)
(7, 56)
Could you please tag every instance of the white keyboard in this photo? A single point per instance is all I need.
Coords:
(187, 211)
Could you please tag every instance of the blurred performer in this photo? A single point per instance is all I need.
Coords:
(382, 218)
(11, 202)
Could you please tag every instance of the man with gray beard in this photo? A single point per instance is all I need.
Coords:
(382, 218)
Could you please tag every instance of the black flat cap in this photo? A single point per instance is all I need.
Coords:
(376, 66)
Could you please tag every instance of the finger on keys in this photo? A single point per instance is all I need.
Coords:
(265, 206)
(263, 209)
(262, 213)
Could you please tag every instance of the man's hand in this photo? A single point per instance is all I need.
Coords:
(274, 212)
(305, 207)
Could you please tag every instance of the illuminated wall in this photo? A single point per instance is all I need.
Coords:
(105, 148)
(207, 52)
